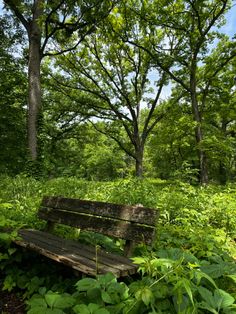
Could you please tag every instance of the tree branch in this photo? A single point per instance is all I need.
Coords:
(13, 7)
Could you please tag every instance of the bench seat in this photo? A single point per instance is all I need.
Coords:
(80, 257)
(134, 224)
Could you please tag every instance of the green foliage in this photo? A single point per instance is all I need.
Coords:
(12, 102)
(180, 277)
(189, 269)
(50, 302)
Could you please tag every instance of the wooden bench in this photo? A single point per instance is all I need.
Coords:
(133, 223)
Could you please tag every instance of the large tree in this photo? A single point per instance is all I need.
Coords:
(120, 81)
(191, 28)
(48, 24)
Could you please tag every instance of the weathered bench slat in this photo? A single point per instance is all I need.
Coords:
(136, 214)
(118, 261)
(59, 255)
(74, 254)
(108, 226)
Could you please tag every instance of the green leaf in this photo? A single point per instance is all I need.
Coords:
(37, 301)
(223, 298)
(206, 306)
(146, 295)
(186, 285)
(93, 307)
(11, 251)
(107, 298)
(199, 275)
(81, 309)
(233, 277)
(37, 310)
(51, 298)
(106, 279)
(5, 236)
(102, 311)
(214, 270)
(42, 290)
(22, 281)
(207, 296)
(94, 294)
(139, 260)
(64, 301)
(86, 283)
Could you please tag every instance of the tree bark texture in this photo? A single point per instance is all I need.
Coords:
(34, 86)
(198, 130)
(139, 161)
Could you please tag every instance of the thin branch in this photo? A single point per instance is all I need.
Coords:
(146, 129)
(12, 5)
(162, 66)
(47, 35)
(121, 145)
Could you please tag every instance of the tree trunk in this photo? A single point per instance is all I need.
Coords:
(139, 162)
(198, 130)
(222, 168)
(203, 165)
(34, 86)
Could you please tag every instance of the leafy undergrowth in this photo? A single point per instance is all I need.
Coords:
(189, 269)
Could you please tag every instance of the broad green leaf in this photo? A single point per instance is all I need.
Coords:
(37, 301)
(51, 298)
(146, 295)
(65, 301)
(106, 279)
(204, 305)
(94, 294)
(86, 283)
(93, 307)
(81, 309)
(214, 270)
(107, 298)
(207, 296)
(223, 298)
(37, 310)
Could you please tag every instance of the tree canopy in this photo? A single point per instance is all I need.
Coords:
(102, 69)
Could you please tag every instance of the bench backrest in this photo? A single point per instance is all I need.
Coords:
(134, 223)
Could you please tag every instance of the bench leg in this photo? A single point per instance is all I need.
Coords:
(128, 249)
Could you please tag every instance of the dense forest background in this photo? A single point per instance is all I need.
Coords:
(118, 89)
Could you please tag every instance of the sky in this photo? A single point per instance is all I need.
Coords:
(230, 27)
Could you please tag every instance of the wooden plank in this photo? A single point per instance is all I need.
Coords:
(61, 255)
(115, 228)
(107, 258)
(136, 214)
(74, 254)
(81, 265)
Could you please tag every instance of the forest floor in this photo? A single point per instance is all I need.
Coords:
(11, 303)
